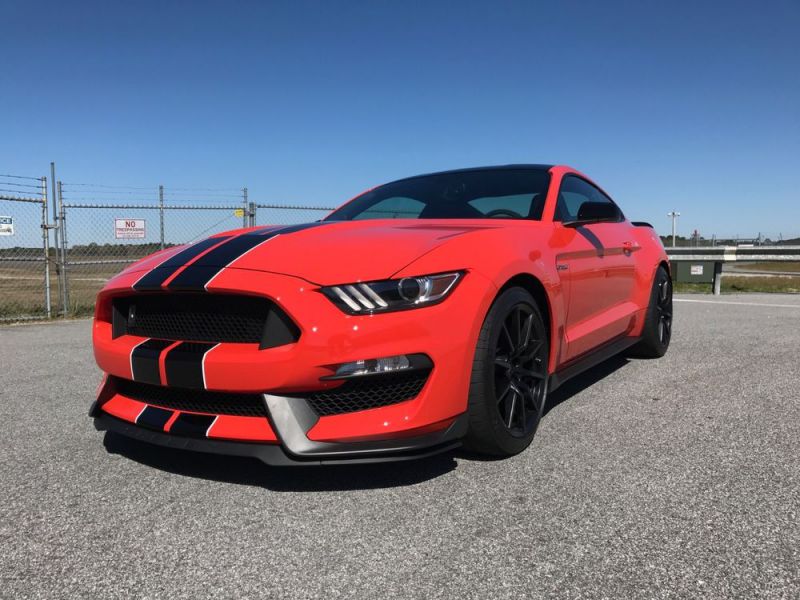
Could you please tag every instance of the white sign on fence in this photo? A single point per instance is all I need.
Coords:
(6, 225)
(696, 269)
(129, 229)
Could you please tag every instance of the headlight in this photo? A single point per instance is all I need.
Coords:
(392, 294)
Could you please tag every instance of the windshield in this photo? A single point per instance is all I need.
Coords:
(474, 194)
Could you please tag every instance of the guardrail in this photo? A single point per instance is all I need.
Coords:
(725, 254)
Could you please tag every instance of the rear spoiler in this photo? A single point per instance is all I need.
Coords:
(641, 224)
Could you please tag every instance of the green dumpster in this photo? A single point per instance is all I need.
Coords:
(701, 271)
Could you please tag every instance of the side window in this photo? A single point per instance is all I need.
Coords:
(573, 193)
(397, 207)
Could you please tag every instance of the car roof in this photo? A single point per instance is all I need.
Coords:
(532, 167)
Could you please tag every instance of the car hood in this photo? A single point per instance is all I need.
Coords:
(337, 252)
(331, 252)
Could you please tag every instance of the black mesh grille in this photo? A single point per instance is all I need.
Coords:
(368, 392)
(202, 318)
(213, 403)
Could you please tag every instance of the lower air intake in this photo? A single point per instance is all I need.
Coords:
(198, 401)
(368, 392)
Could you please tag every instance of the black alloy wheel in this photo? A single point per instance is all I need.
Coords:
(657, 327)
(664, 311)
(520, 371)
(508, 386)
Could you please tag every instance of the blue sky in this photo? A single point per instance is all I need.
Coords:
(693, 106)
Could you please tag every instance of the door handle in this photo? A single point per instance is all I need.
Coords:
(627, 247)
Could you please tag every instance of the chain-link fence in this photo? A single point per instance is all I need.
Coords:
(278, 214)
(25, 252)
(54, 264)
(105, 228)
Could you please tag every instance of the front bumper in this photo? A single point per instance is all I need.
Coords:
(276, 455)
(290, 431)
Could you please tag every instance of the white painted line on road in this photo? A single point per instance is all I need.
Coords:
(735, 303)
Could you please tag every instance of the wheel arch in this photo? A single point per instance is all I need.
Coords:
(666, 265)
(535, 288)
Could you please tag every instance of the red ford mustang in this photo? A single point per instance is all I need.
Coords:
(427, 313)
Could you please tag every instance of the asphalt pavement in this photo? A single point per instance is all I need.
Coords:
(675, 478)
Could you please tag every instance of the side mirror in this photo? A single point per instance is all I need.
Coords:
(594, 212)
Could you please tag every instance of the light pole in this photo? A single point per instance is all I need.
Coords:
(674, 216)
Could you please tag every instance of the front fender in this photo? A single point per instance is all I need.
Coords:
(498, 256)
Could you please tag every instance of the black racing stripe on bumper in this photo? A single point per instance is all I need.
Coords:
(197, 275)
(144, 361)
(183, 365)
(190, 425)
(154, 418)
(154, 279)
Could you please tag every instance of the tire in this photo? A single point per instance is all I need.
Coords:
(657, 329)
(508, 384)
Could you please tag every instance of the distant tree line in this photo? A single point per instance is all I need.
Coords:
(91, 249)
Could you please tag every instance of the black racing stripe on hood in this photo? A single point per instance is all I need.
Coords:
(198, 274)
(163, 271)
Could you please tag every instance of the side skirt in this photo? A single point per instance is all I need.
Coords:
(589, 360)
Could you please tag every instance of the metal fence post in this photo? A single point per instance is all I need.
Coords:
(56, 228)
(64, 274)
(161, 213)
(46, 244)
(717, 278)
(252, 212)
(53, 185)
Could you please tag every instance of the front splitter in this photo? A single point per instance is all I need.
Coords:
(275, 454)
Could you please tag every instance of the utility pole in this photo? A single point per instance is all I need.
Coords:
(674, 216)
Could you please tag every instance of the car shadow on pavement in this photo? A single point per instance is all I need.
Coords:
(250, 471)
(586, 379)
(566, 391)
